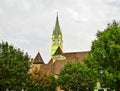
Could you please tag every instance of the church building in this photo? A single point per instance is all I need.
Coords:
(58, 57)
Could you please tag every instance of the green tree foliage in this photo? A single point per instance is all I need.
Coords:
(41, 81)
(76, 76)
(14, 65)
(105, 51)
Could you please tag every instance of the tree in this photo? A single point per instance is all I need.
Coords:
(41, 81)
(105, 52)
(76, 76)
(14, 66)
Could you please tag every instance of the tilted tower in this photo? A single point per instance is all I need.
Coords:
(56, 38)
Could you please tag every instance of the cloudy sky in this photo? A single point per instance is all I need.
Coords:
(28, 24)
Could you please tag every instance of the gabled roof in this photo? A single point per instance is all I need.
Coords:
(58, 52)
(57, 30)
(38, 59)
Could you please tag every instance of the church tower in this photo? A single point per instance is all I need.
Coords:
(56, 38)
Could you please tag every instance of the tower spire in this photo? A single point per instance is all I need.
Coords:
(56, 37)
(57, 30)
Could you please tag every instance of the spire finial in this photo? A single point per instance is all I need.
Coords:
(57, 13)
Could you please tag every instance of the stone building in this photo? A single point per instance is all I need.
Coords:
(58, 57)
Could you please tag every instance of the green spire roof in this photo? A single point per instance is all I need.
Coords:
(57, 31)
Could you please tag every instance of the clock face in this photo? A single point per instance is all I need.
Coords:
(55, 41)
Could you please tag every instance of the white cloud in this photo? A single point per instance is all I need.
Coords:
(28, 24)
